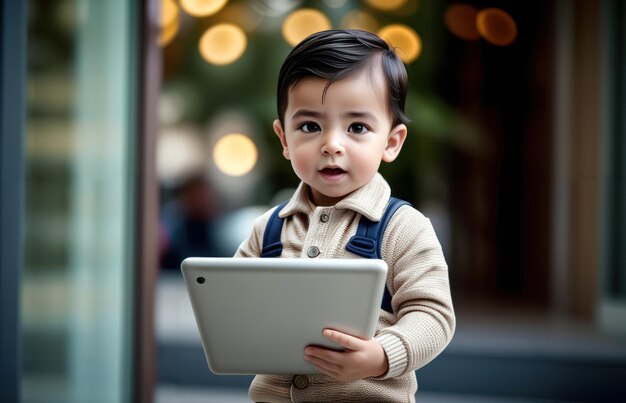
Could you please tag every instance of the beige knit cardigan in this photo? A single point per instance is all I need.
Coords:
(422, 322)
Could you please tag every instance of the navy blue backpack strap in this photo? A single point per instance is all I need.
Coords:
(368, 240)
(272, 247)
(393, 206)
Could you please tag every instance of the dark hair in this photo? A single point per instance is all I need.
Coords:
(340, 53)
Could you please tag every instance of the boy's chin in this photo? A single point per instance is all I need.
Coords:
(325, 199)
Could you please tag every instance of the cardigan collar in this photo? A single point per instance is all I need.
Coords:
(369, 200)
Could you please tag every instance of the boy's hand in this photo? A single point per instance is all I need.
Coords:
(361, 358)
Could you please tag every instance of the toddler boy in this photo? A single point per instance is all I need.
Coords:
(341, 97)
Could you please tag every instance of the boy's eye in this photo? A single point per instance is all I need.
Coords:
(358, 128)
(309, 127)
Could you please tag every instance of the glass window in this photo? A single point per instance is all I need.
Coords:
(76, 301)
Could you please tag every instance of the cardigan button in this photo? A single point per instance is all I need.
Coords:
(313, 251)
(300, 381)
(324, 217)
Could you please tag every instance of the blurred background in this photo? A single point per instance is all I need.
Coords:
(135, 134)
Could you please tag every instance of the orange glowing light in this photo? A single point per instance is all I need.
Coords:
(169, 13)
(302, 23)
(358, 19)
(496, 26)
(460, 19)
(386, 5)
(168, 33)
(404, 40)
(235, 154)
(223, 44)
(202, 8)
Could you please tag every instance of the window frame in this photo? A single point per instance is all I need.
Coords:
(12, 113)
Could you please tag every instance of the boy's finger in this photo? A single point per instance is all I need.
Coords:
(345, 340)
(322, 364)
(326, 371)
(324, 354)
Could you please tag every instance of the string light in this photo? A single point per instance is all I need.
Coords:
(460, 19)
(405, 40)
(386, 5)
(235, 154)
(169, 12)
(302, 23)
(202, 8)
(496, 26)
(168, 33)
(223, 44)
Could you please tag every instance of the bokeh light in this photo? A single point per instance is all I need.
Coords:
(241, 14)
(202, 8)
(168, 32)
(406, 42)
(235, 154)
(386, 5)
(223, 44)
(358, 19)
(460, 19)
(302, 23)
(180, 153)
(496, 26)
(169, 12)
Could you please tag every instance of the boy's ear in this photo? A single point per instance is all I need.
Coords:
(278, 129)
(394, 142)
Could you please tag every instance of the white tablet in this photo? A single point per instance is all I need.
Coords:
(256, 315)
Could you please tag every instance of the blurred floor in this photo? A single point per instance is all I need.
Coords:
(176, 394)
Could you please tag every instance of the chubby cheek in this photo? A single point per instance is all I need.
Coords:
(301, 164)
(367, 164)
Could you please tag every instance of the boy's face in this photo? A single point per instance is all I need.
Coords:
(336, 146)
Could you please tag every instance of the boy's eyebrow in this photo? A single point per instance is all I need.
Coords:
(307, 113)
(314, 114)
(362, 115)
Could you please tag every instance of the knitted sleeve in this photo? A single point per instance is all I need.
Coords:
(424, 321)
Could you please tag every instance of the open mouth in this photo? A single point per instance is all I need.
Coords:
(332, 171)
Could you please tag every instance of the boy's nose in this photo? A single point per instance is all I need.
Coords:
(332, 144)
